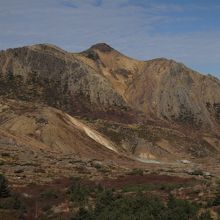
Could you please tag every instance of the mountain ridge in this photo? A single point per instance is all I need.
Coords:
(157, 109)
(124, 75)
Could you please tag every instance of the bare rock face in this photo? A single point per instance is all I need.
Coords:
(172, 91)
(50, 75)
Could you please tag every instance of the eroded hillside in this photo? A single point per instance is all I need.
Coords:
(156, 109)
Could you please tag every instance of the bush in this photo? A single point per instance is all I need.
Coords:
(181, 209)
(49, 194)
(78, 193)
(149, 186)
(205, 216)
(215, 201)
(83, 214)
(197, 173)
(137, 171)
(4, 189)
(12, 202)
(118, 207)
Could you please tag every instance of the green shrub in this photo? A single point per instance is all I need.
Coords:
(197, 172)
(137, 171)
(4, 189)
(205, 216)
(79, 193)
(215, 201)
(181, 209)
(12, 202)
(149, 187)
(49, 194)
(110, 206)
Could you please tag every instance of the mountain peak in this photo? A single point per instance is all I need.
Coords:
(46, 46)
(103, 47)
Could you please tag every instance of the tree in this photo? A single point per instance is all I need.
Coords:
(4, 189)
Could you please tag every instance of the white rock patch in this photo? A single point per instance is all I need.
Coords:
(96, 136)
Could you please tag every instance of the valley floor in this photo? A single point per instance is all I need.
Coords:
(40, 181)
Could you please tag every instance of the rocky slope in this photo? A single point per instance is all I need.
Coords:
(160, 88)
(51, 129)
(157, 109)
(46, 74)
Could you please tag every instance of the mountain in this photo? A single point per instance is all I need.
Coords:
(145, 110)
(159, 88)
(75, 126)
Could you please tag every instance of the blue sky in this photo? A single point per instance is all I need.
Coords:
(184, 30)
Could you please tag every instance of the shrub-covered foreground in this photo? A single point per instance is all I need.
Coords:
(85, 201)
(112, 206)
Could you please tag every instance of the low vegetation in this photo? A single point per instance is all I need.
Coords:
(88, 201)
(140, 207)
(136, 172)
(150, 187)
(98, 203)
(9, 201)
(49, 194)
